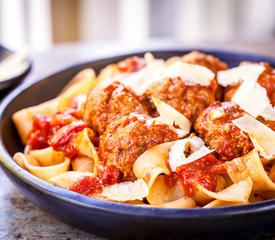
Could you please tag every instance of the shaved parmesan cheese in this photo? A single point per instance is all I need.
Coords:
(171, 116)
(126, 191)
(177, 152)
(262, 137)
(141, 80)
(248, 72)
(156, 70)
(190, 73)
(149, 57)
(251, 97)
(197, 143)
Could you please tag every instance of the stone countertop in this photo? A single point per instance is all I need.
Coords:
(20, 218)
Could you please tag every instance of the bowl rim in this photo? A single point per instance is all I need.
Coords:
(17, 78)
(118, 208)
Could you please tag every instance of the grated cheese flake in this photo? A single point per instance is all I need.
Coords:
(126, 191)
(247, 72)
(191, 74)
(252, 98)
(177, 152)
(262, 137)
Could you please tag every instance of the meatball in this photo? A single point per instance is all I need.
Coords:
(266, 80)
(106, 104)
(209, 61)
(215, 127)
(187, 99)
(127, 138)
(219, 133)
(269, 123)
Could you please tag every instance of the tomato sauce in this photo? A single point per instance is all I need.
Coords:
(64, 139)
(88, 185)
(171, 179)
(202, 171)
(41, 130)
(132, 64)
(58, 131)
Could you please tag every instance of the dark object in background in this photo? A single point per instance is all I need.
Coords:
(10, 82)
(122, 221)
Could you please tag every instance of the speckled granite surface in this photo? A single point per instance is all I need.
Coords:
(19, 218)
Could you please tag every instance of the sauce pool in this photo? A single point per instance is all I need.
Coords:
(202, 171)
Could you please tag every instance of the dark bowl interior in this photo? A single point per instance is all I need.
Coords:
(8, 83)
(121, 221)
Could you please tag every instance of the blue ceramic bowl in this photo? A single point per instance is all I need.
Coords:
(8, 83)
(121, 221)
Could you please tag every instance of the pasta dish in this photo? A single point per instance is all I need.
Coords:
(186, 132)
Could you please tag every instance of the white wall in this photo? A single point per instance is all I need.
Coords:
(98, 19)
(28, 22)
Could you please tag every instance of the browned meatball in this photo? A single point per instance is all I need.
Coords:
(219, 133)
(229, 91)
(127, 138)
(266, 80)
(215, 127)
(270, 124)
(106, 104)
(187, 99)
(209, 61)
(206, 60)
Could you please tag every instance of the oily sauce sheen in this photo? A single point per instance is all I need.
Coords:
(117, 118)
(88, 185)
(202, 171)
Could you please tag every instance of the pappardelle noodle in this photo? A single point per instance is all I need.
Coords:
(185, 132)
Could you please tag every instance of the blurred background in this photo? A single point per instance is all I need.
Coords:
(40, 24)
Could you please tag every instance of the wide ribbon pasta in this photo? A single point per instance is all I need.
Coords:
(152, 163)
(238, 192)
(23, 118)
(201, 198)
(32, 164)
(47, 156)
(85, 147)
(220, 203)
(184, 173)
(159, 160)
(251, 166)
(66, 179)
(262, 137)
(83, 164)
(161, 192)
(182, 202)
